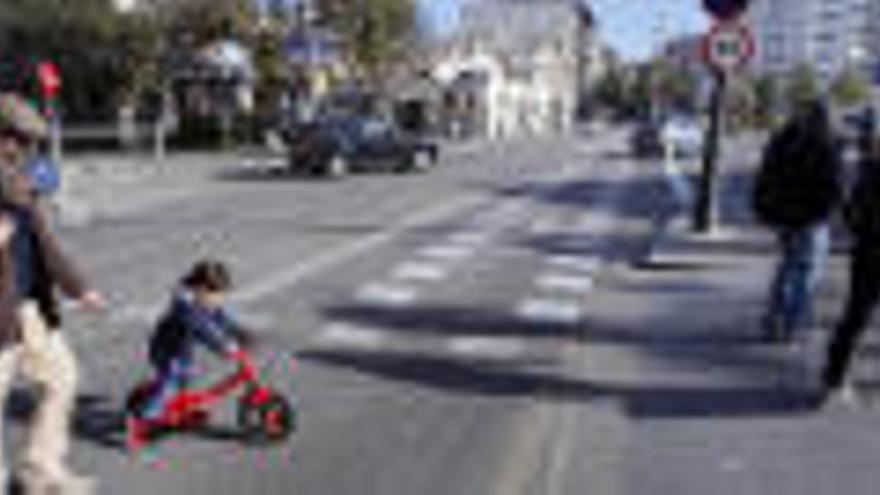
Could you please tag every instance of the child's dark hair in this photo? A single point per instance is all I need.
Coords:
(211, 275)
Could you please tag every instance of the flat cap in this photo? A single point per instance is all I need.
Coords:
(18, 114)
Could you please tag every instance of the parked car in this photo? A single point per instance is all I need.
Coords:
(335, 146)
(684, 133)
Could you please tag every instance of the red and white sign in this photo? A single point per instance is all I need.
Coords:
(50, 79)
(728, 46)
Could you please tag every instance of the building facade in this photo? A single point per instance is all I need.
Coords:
(516, 66)
(827, 35)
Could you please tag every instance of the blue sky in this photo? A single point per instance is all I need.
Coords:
(633, 27)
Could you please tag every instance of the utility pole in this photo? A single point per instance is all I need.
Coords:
(727, 47)
(706, 211)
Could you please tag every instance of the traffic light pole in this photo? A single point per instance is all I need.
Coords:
(706, 207)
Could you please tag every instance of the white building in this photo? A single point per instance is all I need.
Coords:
(522, 61)
(827, 35)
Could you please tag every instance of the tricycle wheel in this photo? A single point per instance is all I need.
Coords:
(272, 420)
(135, 400)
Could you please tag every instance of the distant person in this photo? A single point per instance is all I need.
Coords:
(862, 215)
(196, 315)
(32, 268)
(796, 189)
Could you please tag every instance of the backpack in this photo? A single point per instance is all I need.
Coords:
(798, 183)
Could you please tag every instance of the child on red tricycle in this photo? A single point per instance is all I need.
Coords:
(196, 316)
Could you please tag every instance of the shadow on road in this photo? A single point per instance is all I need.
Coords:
(460, 376)
(97, 419)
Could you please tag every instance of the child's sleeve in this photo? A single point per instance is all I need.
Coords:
(234, 330)
(205, 327)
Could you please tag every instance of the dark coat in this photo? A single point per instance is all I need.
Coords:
(862, 211)
(53, 270)
(799, 182)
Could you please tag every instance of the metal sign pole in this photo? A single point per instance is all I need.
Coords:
(706, 208)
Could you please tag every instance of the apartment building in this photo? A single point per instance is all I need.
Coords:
(828, 35)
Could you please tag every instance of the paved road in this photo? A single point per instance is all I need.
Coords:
(477, 330)
(425, 312)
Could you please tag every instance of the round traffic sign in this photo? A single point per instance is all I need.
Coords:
(725, 9)
(728, 46)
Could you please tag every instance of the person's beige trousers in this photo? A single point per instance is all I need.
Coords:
(45, 359)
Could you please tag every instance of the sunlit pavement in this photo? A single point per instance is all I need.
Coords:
(491, 327)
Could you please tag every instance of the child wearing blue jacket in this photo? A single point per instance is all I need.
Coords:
(196, 316)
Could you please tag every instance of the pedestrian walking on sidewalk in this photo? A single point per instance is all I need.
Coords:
(862, 214)
(795, 192)
(32, 266)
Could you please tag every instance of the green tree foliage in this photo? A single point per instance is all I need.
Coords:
(611, 90)
(103, 54)
(850, 88)
(672, 87)
(767, 99)
(639, 93)
(802, 86)
(375, 32)
(203, 21)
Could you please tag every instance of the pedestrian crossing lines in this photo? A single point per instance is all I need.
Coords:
(553, 295)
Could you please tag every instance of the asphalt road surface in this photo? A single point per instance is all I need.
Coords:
(428, 326)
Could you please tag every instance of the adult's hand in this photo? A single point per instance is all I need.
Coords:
(93, 301)
(7, 229)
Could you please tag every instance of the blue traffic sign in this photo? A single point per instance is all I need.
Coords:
(725, 9)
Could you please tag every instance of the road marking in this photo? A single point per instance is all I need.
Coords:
(577, 284)
(544, 226)
(292, 276)
(386, 295)
(562, 450)
(550, 311)
(488, 347)
(469, 238)
(345, 335)
(588, 264)
(425, 272)
(501, 216)
(447, 252)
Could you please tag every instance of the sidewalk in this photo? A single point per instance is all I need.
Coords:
(709, 409)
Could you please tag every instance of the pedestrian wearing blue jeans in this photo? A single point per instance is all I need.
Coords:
(795, 192)
(801, 266)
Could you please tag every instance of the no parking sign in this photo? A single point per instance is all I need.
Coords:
(728, 46)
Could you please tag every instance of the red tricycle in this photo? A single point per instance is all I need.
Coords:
(264, 415)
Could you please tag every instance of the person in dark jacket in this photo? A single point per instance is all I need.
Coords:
(796, 191)
(862, 214)
(195, 316)
(32, 268)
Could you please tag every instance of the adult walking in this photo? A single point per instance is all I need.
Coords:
(862, 215)
(32, 266)
(796, 190)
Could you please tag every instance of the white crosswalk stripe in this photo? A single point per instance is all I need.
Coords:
(415, 271)
(345, 335)
(447, 252)
(487, 347)
(578, 284)
(550, 311)
(386, 295)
